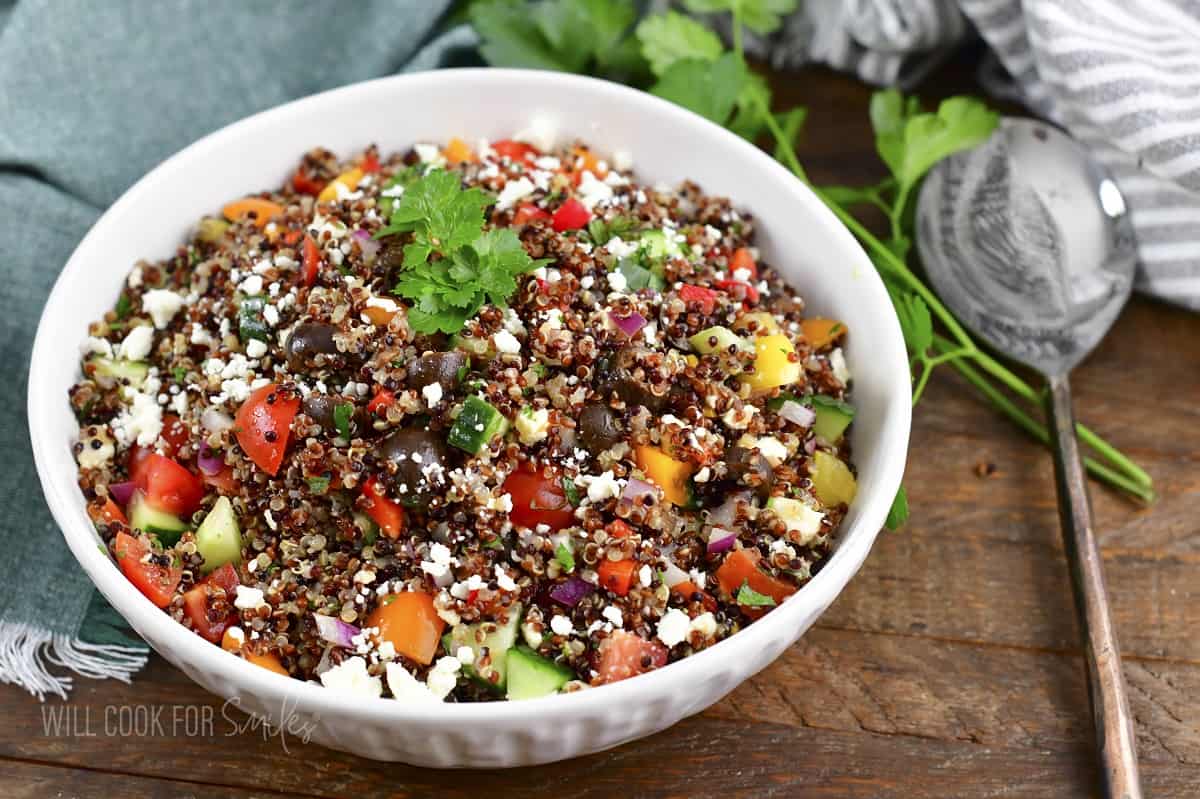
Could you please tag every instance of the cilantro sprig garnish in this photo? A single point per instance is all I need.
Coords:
(452, 266)
(689, 65)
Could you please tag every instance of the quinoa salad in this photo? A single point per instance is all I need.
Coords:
(467, 422)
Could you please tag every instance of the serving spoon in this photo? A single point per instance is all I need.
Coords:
(1028, 241)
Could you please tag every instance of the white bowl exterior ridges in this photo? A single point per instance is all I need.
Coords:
(796, 234)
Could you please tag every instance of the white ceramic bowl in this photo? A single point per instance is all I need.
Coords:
(797, 235)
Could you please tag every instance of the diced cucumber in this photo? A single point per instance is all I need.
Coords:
(119, 370)
(530, 675)
(211, 230)
(832, 417)
(638, 277)
(725, 338)
(164, 526)
(476, 425)
(251, 323)
(218, 538)
(474, 346)
(656, 245)
(498, 642)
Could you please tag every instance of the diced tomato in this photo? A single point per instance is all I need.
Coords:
(198, 603)
(528, 212)
(305, 183)
(744, 292)
(624, 654)
(388, 514)
(168, 486)
(383, 399)
(174, 434)
(370, 163)
(157, 582)
(617, 575)
(742, 259)
(538, 498)
(410, 621)
(618, 528)
(571, 215)
(224, 481)
(698, 295)
(292, 237)
(264, 423)
(741, 567)
(687, 589)
(517, 151)
(311, 261)
(108, 513)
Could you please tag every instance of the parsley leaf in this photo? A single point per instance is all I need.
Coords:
(570, 491)
(711, 89)
(915, 321)
(672, 37)
(602, 232)
(317, 485)
(563, 554)
(124, 306)
(342, 413)
(911, 142)
(791, 122)
(760, 16)
(898, 513)
(440, 213)
(752, 599)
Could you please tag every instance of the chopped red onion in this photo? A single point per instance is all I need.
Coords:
(726, 512)
(370, 247)
(635, 489)
(122, 492)
(810, 446)
(569, 593)
(209, 463)
(336, 631)
(720, 540)
(629, 325)
(798, 414)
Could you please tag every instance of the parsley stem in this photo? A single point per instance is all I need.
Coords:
(1035, 428)
(737, 34)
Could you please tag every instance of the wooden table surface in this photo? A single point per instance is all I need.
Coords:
(949, 667)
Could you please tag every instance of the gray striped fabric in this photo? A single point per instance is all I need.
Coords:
(1123, 76)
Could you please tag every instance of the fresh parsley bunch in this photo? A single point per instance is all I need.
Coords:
(683, 61)
(452, 266)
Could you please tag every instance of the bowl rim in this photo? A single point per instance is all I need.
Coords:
(311, 697)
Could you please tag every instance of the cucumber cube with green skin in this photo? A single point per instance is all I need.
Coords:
(476, 425)
(530, 675)
(638, 277)
(218, 538)
(251, 322)
(832, 418)
(166, 527)
(497, 642)
(703, 342)
(117, 370)
(656, 245)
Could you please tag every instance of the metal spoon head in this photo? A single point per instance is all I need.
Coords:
(1027, 240)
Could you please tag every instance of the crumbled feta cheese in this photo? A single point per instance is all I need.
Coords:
(513, 192)
(443, 677)
(621, 248)
(137, 343)
(140, 422)
(271, 315)
(350, 677)
(432, 394)
(135, 278)
(561, 625)
(407, 688)
(505, 582)
(772, 449)
(673, 627)
(237, 634)
(98, 346)
(430, 154)
(705, 624)
(248, 598)
(386, 650)
(256, 348)
(601, 487)
(506, 342)
(542, 133)
(465, 655)
(92, 457)
(162, 305)
(781, 545)
(616, 281)
(613, 614)
(739, 419)
(179, 403)
(251, 285)
(837, 363)
(645, 575)
(587, 282)
(532, 425)
(592, 192)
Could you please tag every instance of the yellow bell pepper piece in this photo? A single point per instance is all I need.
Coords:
(821, 332)
(773, 364)
(665, 472)
(349, 179)
(766, 323)
(831, 479)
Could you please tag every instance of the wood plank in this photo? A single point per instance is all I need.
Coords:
(24, 780)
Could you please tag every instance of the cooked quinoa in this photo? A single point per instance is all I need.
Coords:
(631, 455)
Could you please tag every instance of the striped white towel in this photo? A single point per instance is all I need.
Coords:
(1123, 76)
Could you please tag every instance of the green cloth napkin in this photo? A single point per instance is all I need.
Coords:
(92, 96)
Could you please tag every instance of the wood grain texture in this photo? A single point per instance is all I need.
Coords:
(950, 666)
